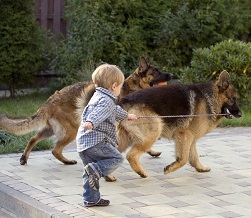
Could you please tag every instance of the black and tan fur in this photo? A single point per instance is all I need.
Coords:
(214, 97)
(60, 116)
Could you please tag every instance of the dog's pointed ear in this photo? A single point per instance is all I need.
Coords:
(224, 80)
(148, 62)
(142, 65)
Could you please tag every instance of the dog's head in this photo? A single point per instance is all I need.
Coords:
(150, 74)
(228, 96)
(145, 76)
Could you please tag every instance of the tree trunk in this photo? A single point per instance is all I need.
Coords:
(12, 91)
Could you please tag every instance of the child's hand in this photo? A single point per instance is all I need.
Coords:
(132, 117)
(87, 125)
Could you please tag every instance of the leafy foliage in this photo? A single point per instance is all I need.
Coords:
(22, 52)
(119, 32)
(229, 55)
(191, 24)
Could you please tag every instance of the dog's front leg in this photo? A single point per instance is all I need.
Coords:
(183, 141)
(194, 160)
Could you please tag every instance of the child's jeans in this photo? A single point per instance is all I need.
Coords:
(104, 159)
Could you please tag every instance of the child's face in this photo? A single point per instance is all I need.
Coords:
(116, 89)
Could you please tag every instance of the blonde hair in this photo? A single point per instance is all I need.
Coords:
(106, 74)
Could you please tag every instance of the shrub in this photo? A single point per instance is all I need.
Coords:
(22, 51)
(119, 32)
(190, 24)
(232, 56)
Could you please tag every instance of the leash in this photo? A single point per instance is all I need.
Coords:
(191, 115)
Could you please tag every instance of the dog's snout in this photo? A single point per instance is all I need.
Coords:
(169, 76)
(239, 114)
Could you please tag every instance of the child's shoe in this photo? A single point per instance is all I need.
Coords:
(101, 202)
(93, 178)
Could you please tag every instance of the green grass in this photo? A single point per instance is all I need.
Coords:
(21, 107)
(16, 144)
(27, 105)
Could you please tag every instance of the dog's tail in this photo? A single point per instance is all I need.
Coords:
(22, 126)
(84, 98)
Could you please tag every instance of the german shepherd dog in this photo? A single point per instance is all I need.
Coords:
(214, 98)
(60, 116)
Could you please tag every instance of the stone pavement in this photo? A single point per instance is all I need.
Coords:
(6, 214)
(47, 188)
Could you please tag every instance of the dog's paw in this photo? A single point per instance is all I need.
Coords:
(23, 160)
(110, 178)
(203, 170)
(143, 175)
(167, 169)
(154, 153)
(70, 162)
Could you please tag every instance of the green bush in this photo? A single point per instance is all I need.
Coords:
(22, 46)
(103, 32)
(119, 32)
(232, 56)
(190, 24)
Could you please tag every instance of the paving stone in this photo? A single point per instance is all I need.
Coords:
(223, 192)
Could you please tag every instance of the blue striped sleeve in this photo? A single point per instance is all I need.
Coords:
(101, 112)
(121, 114)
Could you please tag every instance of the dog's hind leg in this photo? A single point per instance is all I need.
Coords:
(133, 158)
(183, 141)
(42, 134)
(57, 151)
(194, 160)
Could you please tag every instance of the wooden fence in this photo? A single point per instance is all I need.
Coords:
(49, 14)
